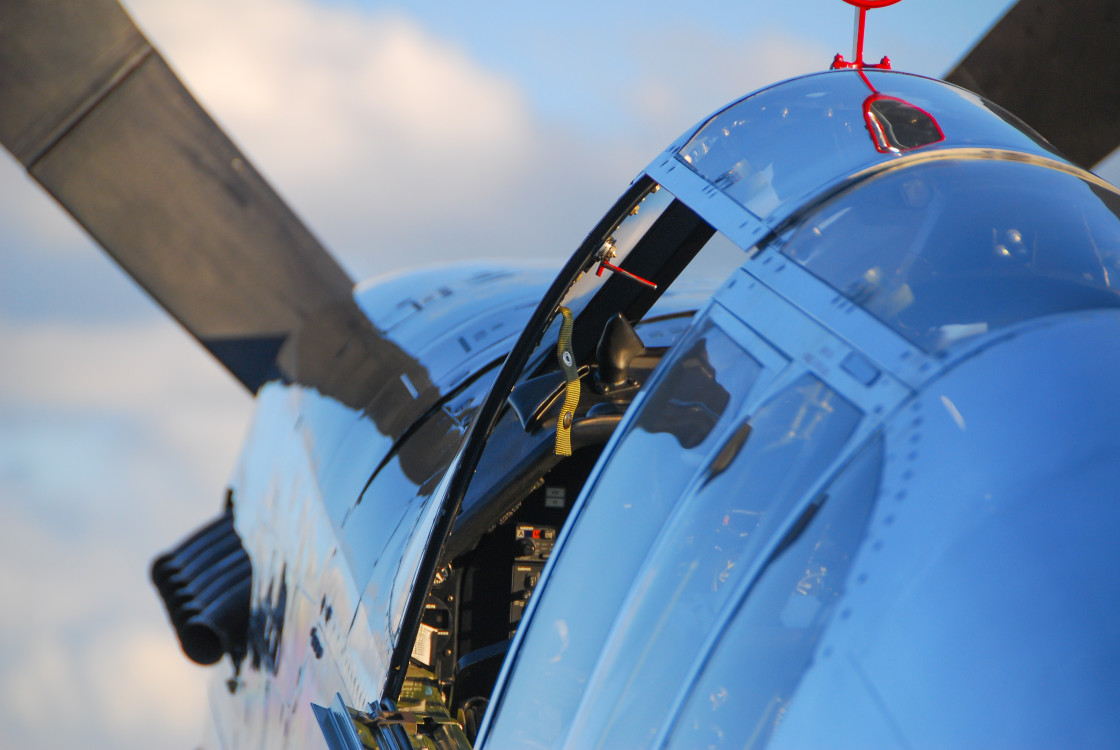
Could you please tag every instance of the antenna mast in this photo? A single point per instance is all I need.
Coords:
(862, 6)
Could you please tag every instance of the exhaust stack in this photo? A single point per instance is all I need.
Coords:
(206, 584)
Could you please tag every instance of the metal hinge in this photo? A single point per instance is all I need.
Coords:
(346, 728)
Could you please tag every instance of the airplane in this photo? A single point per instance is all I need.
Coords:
(863, 332)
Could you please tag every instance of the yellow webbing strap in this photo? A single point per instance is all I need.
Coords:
(567, 361)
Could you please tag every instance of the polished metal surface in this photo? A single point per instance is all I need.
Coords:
(860, 491)
(972, 615)
(454, 319)
(334, 510)
(574, 669)
(738, 499)
(718, 557)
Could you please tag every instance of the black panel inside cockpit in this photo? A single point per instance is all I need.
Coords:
(479, 597)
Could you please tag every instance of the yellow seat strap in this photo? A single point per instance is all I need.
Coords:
(567, 361)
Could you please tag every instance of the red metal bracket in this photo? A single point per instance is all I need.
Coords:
(605, 266)
(839, 62)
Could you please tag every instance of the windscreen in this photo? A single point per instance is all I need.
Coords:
(771, 150)
(950, 249)
(699, 394)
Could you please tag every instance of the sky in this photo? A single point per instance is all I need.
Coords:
(403, 134)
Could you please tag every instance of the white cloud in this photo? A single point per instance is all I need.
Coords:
(366, 112)
(143, 675)
(41, 680)
(87, 659)
(707, 71)
(115, 441)
(394, 144)
(152, 372)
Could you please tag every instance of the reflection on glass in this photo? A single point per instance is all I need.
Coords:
(690, 401)
(772, 149)
(898, 126)
(645, 477)
(709, 543)
(895, 124)
(753, 674)
(766, 150)
(946, 250)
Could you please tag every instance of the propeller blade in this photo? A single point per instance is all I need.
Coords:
(100, 120)
(1055, 64)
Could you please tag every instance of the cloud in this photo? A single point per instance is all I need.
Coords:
(115, 440)
(708, 71)
(365, 120)
(393, 143)
(147, 677)
(85, 656)
(163, 390)
(317, 86)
